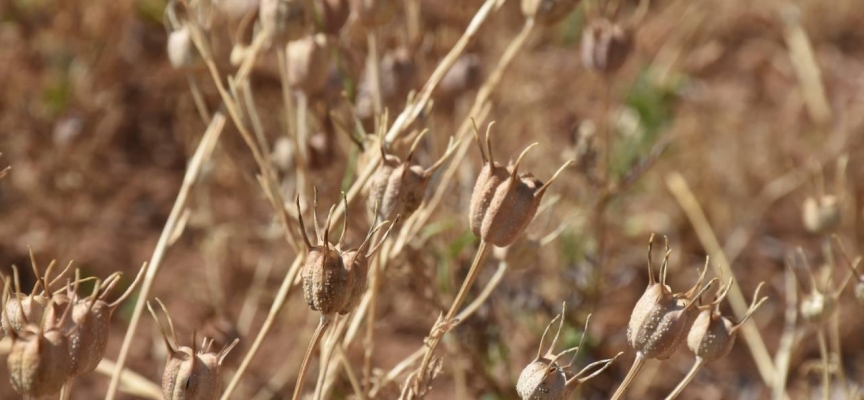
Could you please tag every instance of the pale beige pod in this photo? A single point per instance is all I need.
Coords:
(309, 63)
(605, 46)
(712, 335)
(821, 216)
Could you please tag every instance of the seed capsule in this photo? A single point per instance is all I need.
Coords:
(374, 13)
(398, 188)
(821, 216)
(190, 374)
(545, 379)
(605, 46)
(332, 279)
(712, 335)
(309, 64)
(548, 12)
(504, 202)
(181, 49)
(661, 319)
(21, 310)
(284, 20)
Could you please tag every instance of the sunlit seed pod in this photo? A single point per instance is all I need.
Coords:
(605, 46)
(284, 20)
(712, 335)
(22, 309)
(545, 379)
(661, 319)
(504, 202)
(548, 12)
(817, 307)
(374, 13)
(190, 373)
(181, 49)
(821, 216)
(309, 63)
(334, 14)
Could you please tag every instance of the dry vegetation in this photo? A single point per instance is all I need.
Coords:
(731, 127)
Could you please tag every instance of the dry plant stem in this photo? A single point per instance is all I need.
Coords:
(806, 67)
(256, 290)
(326, 356)
(682, 193)
(349, 371)
(201, 155)
(374, 67)
(369, 340)
(131, 383)
(252, 110)
(200, 105)
(292, 122)
(66, 390)
(323, 323)
(787, 340)
(302, 135)
(638, 363)
(834, 340)
(826, 365)
(687, 378)
(275, 308)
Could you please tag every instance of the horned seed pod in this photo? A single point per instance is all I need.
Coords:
(308, 68)
(504, 202)
(284, 20)
(190, 373)
(820, 304)
(548, 12)
(545, 379)
(821, 216)
(397, 187)
(23, 310)
(605, 46)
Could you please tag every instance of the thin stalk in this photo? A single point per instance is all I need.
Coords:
(326, 356)
(638, 363)
(787, 340)
(687, 378)
(323, 323)
(369, 340)
(834, 339)
(292, 122)
(198, 98)
(66, 390)
(373, 68)
(275, 309)
(826, 373)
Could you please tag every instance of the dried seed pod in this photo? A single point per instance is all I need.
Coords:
(605, 46)
(820, 304)
(22, 310)
(329, 284)
(309, 65)
(398, 188)
(181, 49)
(356, 261)
(374, 13)
(39, 360)
(821, 216)
(284, 20)
(548, 12)
(712, 335)
(661, 319)
(92, 316)
(190, 373)
(334, 14)
(545, 379)
(504, 202)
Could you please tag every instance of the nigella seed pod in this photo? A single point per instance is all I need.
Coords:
(397, 187)
(548, 12)
(821, 216)
(821, 303)
(504, 202)
(39, 359)
(712, 335)
(181, 49)
(309, 63)
(21, 310)
(545, 379)
(284, 20)
(374, 13)
(605, 46)
(92, 317)
(190, 373)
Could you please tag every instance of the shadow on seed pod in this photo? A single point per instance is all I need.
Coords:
(526, 253)
(548, 12)
(334, 14)
(397, 187)
(92, 317)
(821, 216)
(545, 379)
(190, 373)
(504, 202)
(660, 319)
(284, 20)
(309, 63)
(374, 13)
(39, 359)
(605, 46)
(712, 335)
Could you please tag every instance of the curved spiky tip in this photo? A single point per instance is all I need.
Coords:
(479, 141)
(515, 173)
(691, 302)
(414, 145)
(757, 302)
(554, 177)
(603, 364)
(651, 280)
(302, 225)
(491, 160)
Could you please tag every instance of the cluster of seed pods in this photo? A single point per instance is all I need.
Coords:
(56, 336)
(190, 373)
(545, 379)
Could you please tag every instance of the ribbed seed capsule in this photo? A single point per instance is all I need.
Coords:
(309, 63)
(190, 374)
(605, 46)
(284, 20)
(545, 379)
(660, 320)
(548, 12)
(21, 310)
(712, 335)
(504, 202)
(821, 216)
(397, 187)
